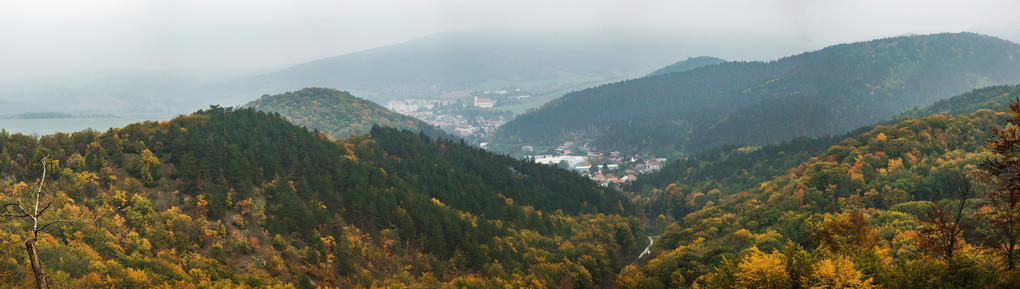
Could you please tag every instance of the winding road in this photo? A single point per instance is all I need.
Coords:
(648, 250)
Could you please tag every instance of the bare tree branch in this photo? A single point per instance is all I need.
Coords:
(43, 228)
(9, 214)
(44, 208)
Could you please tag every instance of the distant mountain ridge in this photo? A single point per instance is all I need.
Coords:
(688, 64)
(338, 114)
(828, 91)
(106, 90)
(552, 61)
(12, 107)
(456, 61)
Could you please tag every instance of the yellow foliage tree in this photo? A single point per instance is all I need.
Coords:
(835, 273)
(760, 270)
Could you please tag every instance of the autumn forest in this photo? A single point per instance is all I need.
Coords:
(892, 163)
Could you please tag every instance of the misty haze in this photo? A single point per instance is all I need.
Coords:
(509, 144)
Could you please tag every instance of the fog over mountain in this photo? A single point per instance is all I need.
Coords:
(549, 60)
(523, 144)
(115, 55)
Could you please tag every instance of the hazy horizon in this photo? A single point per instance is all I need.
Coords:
(119, 55)
(239, 37)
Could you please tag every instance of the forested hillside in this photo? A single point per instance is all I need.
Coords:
(242, 198)
(830, 91)
(723, 171)
(337, 113)
(908, 205)
(728, 170)
(995, 98)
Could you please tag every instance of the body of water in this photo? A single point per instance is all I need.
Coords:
(46, 126)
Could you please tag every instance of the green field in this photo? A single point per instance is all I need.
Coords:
(545, 91)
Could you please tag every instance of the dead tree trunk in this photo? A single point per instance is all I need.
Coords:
(37, 269)
(17, 210)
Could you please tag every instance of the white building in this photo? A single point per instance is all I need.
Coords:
(396, 105)
(572, 161)
(484, 102)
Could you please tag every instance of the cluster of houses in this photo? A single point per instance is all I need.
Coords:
(582, 158)
(479, 127)
(609, 179)
(650, 165)
(572, 162)
(594, 172)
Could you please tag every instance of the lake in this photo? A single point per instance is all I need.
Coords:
(46, 126)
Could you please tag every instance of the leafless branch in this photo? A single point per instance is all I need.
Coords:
(43, 228)
(13, 214)
(44, 208)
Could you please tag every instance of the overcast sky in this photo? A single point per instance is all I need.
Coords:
(227, 35)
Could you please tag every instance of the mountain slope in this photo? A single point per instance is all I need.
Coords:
(829, 91)
(688, 64)
(796, 189)
(336, 113)
(730, 170)
(242, 198)
(994, 98)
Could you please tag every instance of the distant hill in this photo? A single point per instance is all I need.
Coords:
(100, 91)
(12, 108)
(690, 63)
(457, 61)
(547, 62)
(336, 113)
(829, 91)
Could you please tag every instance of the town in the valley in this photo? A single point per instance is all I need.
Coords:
(468, 115)
(476, 115)
(609, 170)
